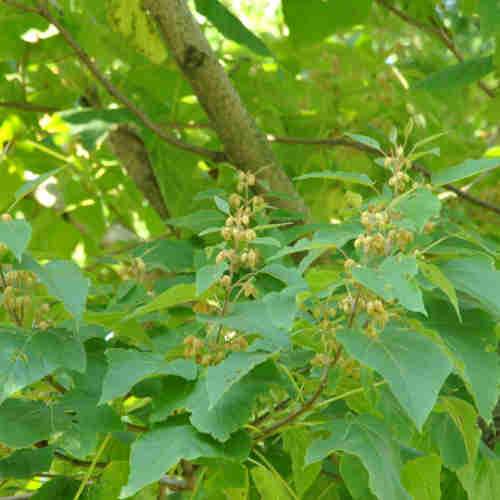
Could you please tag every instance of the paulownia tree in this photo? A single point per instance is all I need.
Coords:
(248, 249)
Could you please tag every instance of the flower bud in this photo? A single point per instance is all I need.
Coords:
(226, 233)
(235, 200)
(253, 258)
(6, 217)
(250, 235)
(225, 281)
(251, 179)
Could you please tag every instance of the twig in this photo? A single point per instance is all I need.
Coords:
(43, 11)
(309, 404)
(333, 142)
(438, 32)
(27, 106)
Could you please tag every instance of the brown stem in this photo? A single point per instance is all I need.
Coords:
(308, 405)
(349, 143)
(28, 106)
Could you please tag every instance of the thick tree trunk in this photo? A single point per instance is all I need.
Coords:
(245, 145)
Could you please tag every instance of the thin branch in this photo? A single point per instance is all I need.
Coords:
(439, 33)
(367, 149)
(335, 142)
(27, 106)
(43, 11)
(308, 405)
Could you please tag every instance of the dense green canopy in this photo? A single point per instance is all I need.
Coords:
(248, 249)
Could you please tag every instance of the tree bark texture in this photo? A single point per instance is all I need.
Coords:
(245, 145)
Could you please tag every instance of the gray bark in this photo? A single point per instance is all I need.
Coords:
(245, 145)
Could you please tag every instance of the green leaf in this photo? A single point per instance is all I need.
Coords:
(477, 277)
(489, 13)
(272, 317)
(481, 478)
(472, 343)
(464, 170)
(295, 443)
(448, 440)
(355, 477)
(311, 23)
(178, 294)
(168, 444)
(222, 205)
(401, 357)
(417, 208)
(365, 140)
(59, 487)
(175, 256)
(367, 438)
(422, 476)
(393, 280)
(24, 422)
(268, 485)
(230, 26)
(25, 359)
(336, 237)
(127, 367)
(436, 277)
(30, 186)
(65, 281)
(110, 482)
(464, 417)
(26, 463)
(351, 177)
(207, 276)
(457, 76)
(15, 235)
(129, 18)
(229, 414)
(222, 377)
(89, 422)
(92, 125)
(198, 221)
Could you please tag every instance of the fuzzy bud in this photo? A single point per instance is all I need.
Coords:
(235, 200)
(226, 233)
(225, 281)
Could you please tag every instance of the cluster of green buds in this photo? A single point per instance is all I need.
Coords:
(398, 163)
(325, 316)
(208, 353)
(381, 235)
(239, 234)
(17, 294)
(134, 270)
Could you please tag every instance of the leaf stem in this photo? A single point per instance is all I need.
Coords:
(90, 470)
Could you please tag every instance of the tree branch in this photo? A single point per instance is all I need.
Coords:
(437, 32)
(131, 151)
(333, 142)
(245, 145)
(27, 106)
(44, 12)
